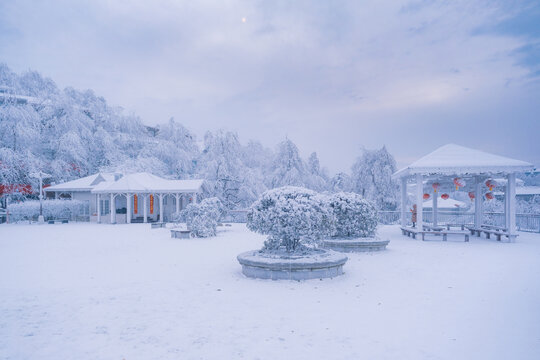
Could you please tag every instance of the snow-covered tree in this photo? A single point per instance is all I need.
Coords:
(341, 182)
(288, 167)
(354, 216)
(372, 178)
(202, 218)
(295, 218)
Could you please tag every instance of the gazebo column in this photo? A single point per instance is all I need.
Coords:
(160, 207)
(194, 198)
(177, 199)
(478, 204)
(145, 211)
(419, 202)
(435, 208)
(404, 201)
(128, 208)
(511, 208)
(112, 209)
(98, 208)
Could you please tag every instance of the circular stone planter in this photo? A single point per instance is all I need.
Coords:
(280, 266)
(356, 244)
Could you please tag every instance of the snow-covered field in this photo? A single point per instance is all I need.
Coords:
(85, 291)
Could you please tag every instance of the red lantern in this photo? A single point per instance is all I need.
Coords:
(426, 196)
(471, 195)
(436, 186)
(445, 196)
(489, 196)
(459, 183)
(491, 184)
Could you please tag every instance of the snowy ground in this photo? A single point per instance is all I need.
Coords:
(85, 291)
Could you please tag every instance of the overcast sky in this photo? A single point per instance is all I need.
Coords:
(333, 76)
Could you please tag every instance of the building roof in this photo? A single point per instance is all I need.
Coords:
(146, 183)
(137, 182)
(83, 184)
(444, 204)
(454, 159)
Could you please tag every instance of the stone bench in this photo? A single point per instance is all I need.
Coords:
(158, 225)
(181, 234)
(59, 221)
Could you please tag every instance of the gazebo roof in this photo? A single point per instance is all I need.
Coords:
(145, 183)
(453, 159)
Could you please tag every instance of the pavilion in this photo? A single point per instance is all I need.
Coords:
(137, 197)
(450, 164)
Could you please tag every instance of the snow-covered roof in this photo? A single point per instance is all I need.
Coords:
(145, 182)
(444, 204)
(453, 159)
(83, 184)
(528, 190)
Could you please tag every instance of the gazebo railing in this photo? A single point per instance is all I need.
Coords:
(524, 222)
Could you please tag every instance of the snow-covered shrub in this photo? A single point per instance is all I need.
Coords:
(202, 218)
(295, 218)
(354, 216)
(52, 209)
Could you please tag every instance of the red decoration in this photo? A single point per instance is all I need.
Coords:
(436, 186)
(459, 182)
(489, 196)
(151, 204)
(471, 195)
(426, 196)
(135, 204)
(445, 196)
(491, 184)
(16, 188)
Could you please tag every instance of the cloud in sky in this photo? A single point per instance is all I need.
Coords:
(332, 76)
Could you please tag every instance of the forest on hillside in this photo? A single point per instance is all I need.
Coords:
(70, 133)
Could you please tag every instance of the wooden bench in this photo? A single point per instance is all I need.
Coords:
(489, 230)
(413, 232)
(445, 234)
(409, 232)
(459, 226)
(433, 228)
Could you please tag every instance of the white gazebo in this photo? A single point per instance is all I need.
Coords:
(474, 167)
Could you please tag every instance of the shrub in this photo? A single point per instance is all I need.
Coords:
(354, 216)
(202, 218)
(295, 218)
(52, 209)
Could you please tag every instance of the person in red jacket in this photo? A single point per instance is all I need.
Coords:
(413, 217)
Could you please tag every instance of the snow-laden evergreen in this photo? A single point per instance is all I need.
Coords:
(353, 215)
(202, 218)
(295, 218)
